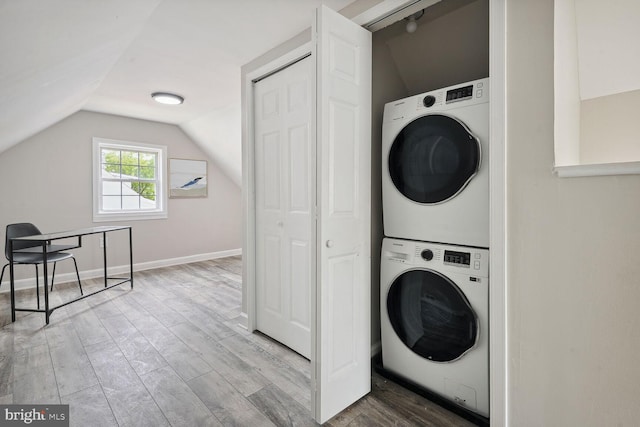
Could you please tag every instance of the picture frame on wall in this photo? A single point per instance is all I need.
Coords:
(187, 178)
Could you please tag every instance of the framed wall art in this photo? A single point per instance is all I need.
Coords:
(187, 178)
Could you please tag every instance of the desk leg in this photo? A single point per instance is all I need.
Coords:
(104, 256)
(11, 283)
(131, 256)
(46, 281)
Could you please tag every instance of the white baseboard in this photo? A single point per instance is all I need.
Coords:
(244, 321)
(120, 269)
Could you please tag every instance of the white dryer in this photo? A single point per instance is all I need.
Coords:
(435, 169)
(434, 304)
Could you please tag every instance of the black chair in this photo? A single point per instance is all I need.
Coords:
(28, 229)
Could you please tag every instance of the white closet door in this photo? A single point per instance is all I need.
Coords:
(342, 367)
(285, 198)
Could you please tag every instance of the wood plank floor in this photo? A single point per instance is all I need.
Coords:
(170, 353)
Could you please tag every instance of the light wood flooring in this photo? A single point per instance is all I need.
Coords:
(170, 353)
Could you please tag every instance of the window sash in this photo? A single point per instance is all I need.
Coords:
(124, 200)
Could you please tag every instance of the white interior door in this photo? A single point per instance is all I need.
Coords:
(285, 205)
(341, 372)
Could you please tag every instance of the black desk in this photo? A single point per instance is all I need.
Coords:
(46, 247)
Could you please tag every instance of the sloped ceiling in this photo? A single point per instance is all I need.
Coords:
(423, 59)
(61, 56)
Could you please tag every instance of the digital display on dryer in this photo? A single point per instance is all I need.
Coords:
(460, 93)
(457, 258)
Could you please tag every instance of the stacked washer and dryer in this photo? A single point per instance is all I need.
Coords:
(434, 279)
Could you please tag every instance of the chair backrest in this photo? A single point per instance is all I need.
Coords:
(20, 230)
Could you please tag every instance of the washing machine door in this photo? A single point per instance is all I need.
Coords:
(431, 315)
(433, 158)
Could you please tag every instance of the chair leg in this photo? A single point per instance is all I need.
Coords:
(37, 286)
(77, 274)
(53, 275)
(2, 275)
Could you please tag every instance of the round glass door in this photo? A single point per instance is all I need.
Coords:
(433, 158)
(431, 315)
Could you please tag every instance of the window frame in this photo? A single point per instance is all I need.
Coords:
(161, 212)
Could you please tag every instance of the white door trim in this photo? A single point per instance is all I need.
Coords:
(498, 263)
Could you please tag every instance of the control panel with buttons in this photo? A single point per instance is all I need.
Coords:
(447, 258)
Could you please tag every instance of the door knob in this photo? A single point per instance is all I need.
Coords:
(329, 243)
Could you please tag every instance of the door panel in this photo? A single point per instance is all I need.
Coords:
(342, 293)
(298, 169)
(341, 373)
(271, 183)
(273, 276)
(299, 274)
(284, 201)
(343, 157)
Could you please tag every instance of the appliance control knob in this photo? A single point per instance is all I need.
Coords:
(429, 100)
(427, 254)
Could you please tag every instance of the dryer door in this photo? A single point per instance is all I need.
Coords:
(431, 315)
(433, 158)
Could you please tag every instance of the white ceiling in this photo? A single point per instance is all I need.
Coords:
(61, 56)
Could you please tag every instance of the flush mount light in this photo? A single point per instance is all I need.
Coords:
(167, 98)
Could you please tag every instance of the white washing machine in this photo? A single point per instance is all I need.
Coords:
(434, 315)
(435, 169)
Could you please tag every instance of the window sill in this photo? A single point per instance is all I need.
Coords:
(598, 169)
(129, 217)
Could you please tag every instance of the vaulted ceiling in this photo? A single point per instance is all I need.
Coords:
(62, 56)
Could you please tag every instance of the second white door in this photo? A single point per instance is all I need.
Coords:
(285, 205)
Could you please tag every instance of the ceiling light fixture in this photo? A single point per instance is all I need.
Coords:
(412, 25)
(167, 98)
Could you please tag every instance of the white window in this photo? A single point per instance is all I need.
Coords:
(129, 180)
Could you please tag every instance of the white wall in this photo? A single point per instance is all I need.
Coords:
(608, 48)
(567, 84)
(609, 128)
(572, 246)
(218, 133)
(47, 180)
